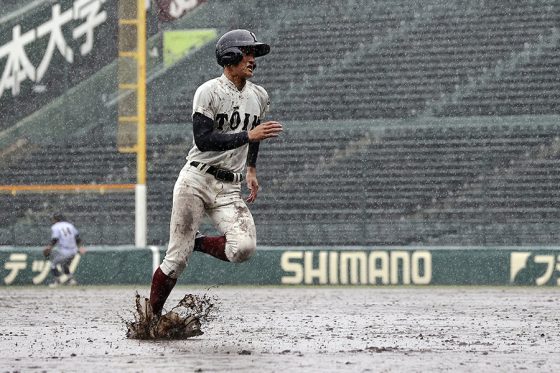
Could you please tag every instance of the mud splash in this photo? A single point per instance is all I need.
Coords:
(182, 322)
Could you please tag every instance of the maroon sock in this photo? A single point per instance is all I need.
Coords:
(161, 288)
(215, 246)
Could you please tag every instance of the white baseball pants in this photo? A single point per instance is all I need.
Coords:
(197, 193)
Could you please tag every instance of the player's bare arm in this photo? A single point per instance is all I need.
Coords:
(81, 249)
(48, 249)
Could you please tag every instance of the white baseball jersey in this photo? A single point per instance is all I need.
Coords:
(232, 111)
(66, 234)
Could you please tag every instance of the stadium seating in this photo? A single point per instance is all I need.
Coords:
(403, 60)
(419, 185)
(11, 8)
(408, 66)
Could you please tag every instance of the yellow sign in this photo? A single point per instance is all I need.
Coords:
(179, 43)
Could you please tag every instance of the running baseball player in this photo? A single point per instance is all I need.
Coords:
(67, 239)
(227, 128)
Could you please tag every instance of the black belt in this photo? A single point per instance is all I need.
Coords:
(219, 173)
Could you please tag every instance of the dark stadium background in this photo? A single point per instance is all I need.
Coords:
(407, 123)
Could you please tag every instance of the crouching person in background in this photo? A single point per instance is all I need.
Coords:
(66, 238)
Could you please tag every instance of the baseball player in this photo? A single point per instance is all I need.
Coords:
(227, 128)
(67, 237)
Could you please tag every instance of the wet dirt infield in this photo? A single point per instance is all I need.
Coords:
(284, 329)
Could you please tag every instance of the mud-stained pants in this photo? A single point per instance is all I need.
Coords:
(196, 193)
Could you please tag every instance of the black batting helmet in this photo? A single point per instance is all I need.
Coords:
(228, 50)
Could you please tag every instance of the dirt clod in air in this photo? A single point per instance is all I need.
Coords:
(182, 322)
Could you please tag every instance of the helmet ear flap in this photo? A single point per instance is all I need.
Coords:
(229, 56)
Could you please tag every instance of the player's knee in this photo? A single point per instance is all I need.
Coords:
(173, 267)
(241, 249)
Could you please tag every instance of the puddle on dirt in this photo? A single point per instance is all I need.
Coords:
(181, 322)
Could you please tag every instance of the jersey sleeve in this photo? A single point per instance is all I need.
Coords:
(203, 102)
(265, 103)
(55, 233)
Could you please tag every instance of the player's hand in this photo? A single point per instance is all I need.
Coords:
(47, 251)
(252, 184)
(265, 130)
(82, 250)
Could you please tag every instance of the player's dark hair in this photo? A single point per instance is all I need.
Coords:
(58, 217)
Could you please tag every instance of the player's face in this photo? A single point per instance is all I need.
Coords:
(246, 67)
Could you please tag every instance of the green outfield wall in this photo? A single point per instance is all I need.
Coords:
(423, 266)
